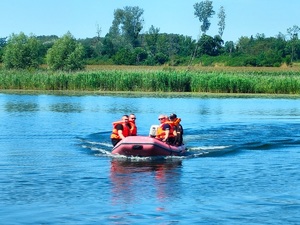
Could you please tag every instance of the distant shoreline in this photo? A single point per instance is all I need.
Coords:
(149, 94)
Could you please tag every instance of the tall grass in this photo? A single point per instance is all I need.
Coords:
(155, 81)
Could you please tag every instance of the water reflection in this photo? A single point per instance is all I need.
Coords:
(21, 107)
(66, 107)
(133, 181)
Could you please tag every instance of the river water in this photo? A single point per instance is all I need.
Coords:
(56, 167)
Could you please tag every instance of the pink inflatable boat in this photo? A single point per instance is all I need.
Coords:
(144, 146)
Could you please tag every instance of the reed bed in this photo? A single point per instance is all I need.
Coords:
(262, 82)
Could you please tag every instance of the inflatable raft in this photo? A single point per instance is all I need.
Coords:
(147, 146)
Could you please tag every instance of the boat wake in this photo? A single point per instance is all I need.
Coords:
(103, 149)
(99, 144)
(91, 145)
(203, 151)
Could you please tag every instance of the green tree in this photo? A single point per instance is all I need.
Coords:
(108, 47)
(163, 46)
(140, 55)
(221, 23)
(209, 45)
(161, 58)
(98, 43)
(124, 57)
(244, 44)
(2, 42)
(47, 43)
(2, 45)
(151, 38)
(66, 54)
(126, 26)
(89, 45)
(229, 47)
(293, 33)
(186, 46)
(261, 51)
(218, 47)
(204, 11)
(174, 48)
(22, 52)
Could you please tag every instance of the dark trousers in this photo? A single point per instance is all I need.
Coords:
(115, 141)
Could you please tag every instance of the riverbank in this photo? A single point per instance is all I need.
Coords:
(150, 94)
(215, 81)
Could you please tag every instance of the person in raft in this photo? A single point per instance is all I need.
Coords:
(121, 129)
(178, 129)
(165, 131)
(133, 127)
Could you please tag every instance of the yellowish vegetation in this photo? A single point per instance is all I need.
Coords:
(216, 68)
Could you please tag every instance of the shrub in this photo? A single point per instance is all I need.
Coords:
(66, 54)
(124, 57)
(22, 52)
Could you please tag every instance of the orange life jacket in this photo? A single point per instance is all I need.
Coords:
(178, 132)
(160, 133)
(177, 121)
(126, 131)
(133, 128)
(174, 125)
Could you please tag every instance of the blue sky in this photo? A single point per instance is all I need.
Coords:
(81, 17)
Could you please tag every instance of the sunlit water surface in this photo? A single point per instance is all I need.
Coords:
(56, 166)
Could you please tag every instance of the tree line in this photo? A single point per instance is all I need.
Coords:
(124, 44)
